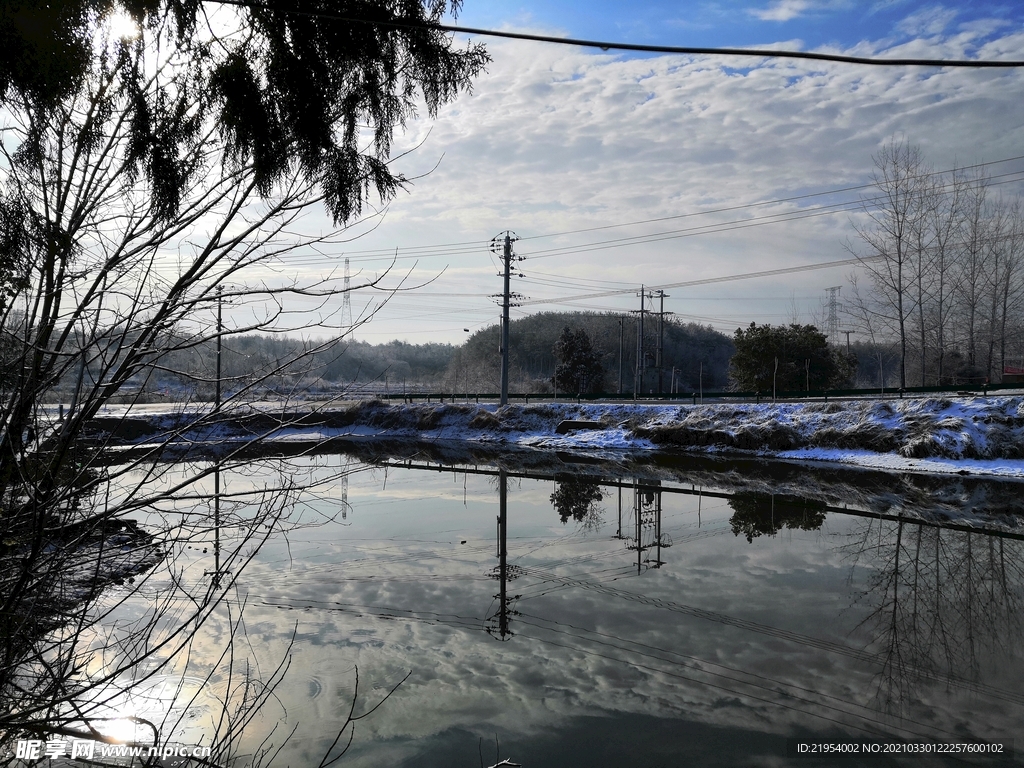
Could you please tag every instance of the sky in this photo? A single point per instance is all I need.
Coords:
(626, 170)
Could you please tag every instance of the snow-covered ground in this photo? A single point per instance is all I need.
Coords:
(968, 436)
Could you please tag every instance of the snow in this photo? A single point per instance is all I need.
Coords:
(964, 435)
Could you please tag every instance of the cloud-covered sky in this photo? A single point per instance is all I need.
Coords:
(683, 152)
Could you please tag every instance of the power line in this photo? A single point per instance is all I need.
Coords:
(709, 280)
(776, 201)
(474, 247)
(606, 45)
(728, 226)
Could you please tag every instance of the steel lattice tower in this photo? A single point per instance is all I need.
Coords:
(832, 323)
(346, 301)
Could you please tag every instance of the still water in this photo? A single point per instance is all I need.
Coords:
(612, 614)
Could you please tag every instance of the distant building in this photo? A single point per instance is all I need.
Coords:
(1012, 375)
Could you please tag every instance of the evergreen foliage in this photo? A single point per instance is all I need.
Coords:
(575, 498)
(787, 359)
(290, 87)
(579, 365)
(757, 515)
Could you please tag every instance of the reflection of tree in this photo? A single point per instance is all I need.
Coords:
(759, 515)
(941, 602)
(98, 611)
(576, 498)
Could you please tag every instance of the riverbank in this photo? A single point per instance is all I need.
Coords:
(970, 435)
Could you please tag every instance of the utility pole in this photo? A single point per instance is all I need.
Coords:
(638, 375)
(507, 259)
(620, 357)
(216, 468)
(659, 358)
(220, 325)
(847, 341)
(641, 352)
(504, 241)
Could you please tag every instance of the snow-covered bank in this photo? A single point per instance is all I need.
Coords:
(974, 435)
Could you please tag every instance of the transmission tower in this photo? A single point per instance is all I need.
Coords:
(832, 324)
(346, 301)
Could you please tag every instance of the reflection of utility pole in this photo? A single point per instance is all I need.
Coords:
(618, 532)
(344, 494)
(503, 574)
(503, 521)
(216, 467)
(647, 524)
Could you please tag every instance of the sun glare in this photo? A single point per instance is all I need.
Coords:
(121, 25)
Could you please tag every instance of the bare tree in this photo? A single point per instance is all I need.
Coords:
(943, 208)
(158, 177)
(893, 249)
(971, 264)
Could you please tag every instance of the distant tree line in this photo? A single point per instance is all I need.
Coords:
(279, 364)
(944, 261)
(693, 356)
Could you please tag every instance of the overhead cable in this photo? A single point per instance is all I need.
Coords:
(607, 45)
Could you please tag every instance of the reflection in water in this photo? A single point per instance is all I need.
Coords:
(943, 603)
(827, 678)
(51, 577)
(857, 622)
(497, 624)
(101, 614)
(575, 498)
(758, 515)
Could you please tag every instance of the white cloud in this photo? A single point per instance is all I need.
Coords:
(787, 10)
(782, 10)
(555, 139)
(927, 21)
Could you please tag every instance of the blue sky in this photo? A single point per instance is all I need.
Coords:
(815, 23)
(557, 141)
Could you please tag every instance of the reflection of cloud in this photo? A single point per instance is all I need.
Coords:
(728, 635)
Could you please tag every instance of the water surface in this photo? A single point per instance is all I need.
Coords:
(646, 620)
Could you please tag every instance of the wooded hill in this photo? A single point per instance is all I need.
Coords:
(698, 354)
(287, 365)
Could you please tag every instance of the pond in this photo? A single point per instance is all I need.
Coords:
(557, 611)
